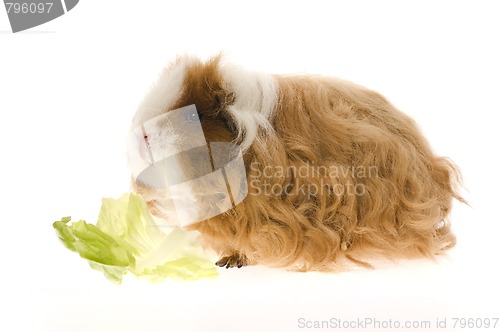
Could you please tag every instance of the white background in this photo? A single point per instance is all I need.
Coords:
(69, 88)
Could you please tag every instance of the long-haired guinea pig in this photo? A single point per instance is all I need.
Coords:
(335, 173)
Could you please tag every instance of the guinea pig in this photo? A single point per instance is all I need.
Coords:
(335, 173)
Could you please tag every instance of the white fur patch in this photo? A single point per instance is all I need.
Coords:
(164, 93)
(255, 99)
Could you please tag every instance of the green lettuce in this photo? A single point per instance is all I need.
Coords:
(126, 238)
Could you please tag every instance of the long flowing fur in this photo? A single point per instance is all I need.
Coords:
(340, 173)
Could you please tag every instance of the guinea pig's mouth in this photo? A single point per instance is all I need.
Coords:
(170, 154)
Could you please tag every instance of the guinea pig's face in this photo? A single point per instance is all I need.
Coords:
(230, 105)
(189, 82)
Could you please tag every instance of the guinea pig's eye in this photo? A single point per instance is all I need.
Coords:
(230, 125)
(193, 117)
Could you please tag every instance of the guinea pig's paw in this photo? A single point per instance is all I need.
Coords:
(234, 260)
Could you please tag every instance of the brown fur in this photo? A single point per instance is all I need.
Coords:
(330, 124)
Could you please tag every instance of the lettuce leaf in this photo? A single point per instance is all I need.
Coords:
(126, 239)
